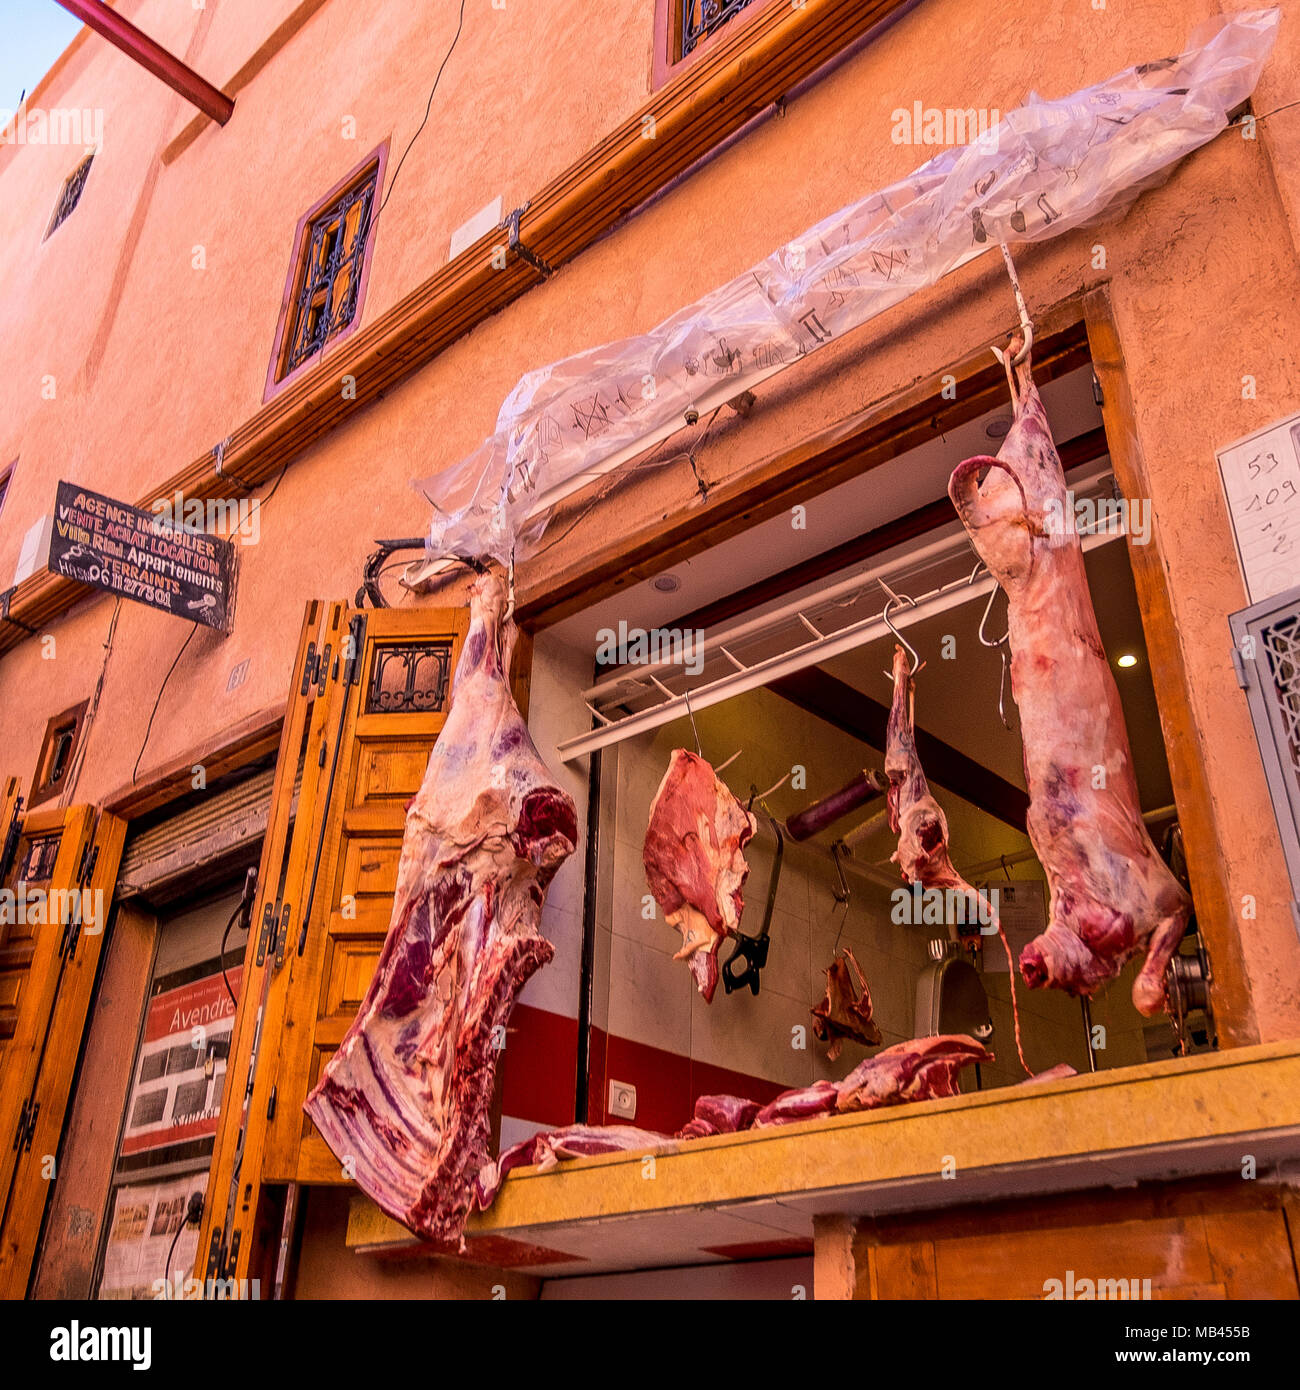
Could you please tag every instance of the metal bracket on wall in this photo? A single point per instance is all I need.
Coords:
(544, 269)
(374, 566)
(219, 454)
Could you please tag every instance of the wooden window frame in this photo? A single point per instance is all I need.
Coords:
(74, 715)
(6, 482)
(668, 62)
(276, 377)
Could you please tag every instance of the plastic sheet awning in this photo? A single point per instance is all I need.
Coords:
(1046, 168)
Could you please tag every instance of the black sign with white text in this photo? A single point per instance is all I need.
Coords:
(114, 546)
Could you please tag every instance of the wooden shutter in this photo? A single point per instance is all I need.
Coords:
(47, 977)
(363, 732)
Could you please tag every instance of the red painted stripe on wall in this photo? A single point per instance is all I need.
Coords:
(540, 1067)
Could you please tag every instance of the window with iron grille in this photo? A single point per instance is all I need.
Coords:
(1266, 639)
(701, 18)
(328, 273)
(73, 186)
(687, 29)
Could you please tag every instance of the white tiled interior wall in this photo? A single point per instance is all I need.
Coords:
(641, 993)
(652, 998)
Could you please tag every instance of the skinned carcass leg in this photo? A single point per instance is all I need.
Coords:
(404, 1103)
(1112, 894)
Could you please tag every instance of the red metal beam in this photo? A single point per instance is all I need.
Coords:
(121, 33)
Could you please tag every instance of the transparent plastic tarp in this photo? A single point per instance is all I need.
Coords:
(1046, 168)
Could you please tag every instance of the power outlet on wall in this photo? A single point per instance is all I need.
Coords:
(622, 1100)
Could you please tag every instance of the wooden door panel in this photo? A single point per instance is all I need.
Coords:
(395, 712)
(236, 1233)
(50, 851)
(52, 1005)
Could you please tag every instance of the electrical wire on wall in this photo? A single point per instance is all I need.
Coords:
(79, 757)
(392, 183)
(158, 700)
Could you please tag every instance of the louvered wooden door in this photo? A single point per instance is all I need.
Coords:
(368, 697)
(51, 937)
(390, 717)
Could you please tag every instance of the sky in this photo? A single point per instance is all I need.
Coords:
(32, 35)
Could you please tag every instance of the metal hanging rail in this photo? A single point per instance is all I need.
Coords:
(820, 646)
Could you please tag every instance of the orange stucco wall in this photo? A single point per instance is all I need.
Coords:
(154, 361)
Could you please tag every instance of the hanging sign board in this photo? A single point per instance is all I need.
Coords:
(1022, 910)
(1261, 480)
(114, 546)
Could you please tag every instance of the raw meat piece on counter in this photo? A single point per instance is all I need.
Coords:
(406, 1097)
(922, 1069)
(546, 1148)
(919, 1069)
(694, 862)
(844, 1012)
(726, 1114)
(1059, 1072)
(1112, 895)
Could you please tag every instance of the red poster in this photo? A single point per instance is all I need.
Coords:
(182, 1067)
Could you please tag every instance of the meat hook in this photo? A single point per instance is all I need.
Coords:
(898, 636)
(1001, 642)
(691, 713)
(1026, 323)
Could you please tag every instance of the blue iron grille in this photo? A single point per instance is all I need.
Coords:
(700, 18)
(326, 301)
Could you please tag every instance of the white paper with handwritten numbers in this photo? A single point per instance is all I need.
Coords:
(1261, 479)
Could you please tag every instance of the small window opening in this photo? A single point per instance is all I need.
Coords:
(73, 186)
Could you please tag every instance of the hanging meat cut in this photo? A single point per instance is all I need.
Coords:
(914, 815)
(404, 1102)
(922, 828)
(694, 861)
(1112, 894)
(845, 1012)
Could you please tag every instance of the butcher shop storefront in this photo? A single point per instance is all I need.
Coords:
(817, 814)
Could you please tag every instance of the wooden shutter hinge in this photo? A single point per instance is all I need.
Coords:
(281, 936)
(309, 667)
(270, 914)
(27, 1124)
(12, 835)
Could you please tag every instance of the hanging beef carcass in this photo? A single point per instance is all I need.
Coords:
(694, 861)
(845, 1012)
(404, 1102)
(1112, 895)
